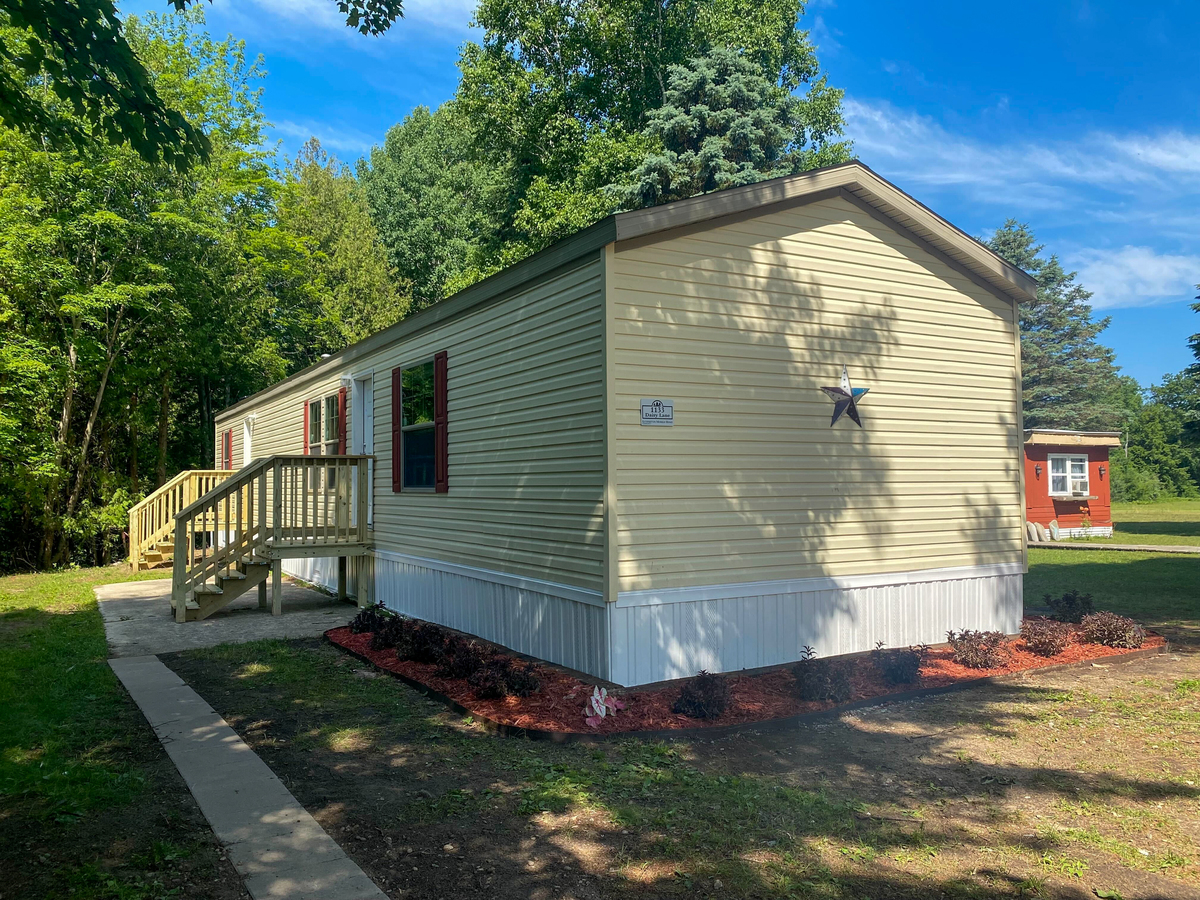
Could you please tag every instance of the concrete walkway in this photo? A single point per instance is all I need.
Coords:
(276, 846)
(1096, 545)
(138, 619)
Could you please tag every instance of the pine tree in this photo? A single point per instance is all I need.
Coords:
(1069, 380)
(724, 123)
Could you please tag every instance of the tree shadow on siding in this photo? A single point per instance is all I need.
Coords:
(763, 489)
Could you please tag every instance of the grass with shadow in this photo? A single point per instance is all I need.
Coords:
(1160, 590)
(89, 804)
(1166, 523)
(959, 796)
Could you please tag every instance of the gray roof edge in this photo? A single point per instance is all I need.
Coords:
(493, 287)
(859, 179)
(1073, 431)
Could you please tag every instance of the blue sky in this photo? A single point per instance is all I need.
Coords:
(1076, 117)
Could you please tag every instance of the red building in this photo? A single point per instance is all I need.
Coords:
(1067, 480)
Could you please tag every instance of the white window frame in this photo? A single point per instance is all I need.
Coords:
(325, 446)
(1071, 478)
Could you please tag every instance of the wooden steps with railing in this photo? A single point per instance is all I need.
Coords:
(152, 521)
(281, 507)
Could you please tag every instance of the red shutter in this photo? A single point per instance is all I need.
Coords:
(341, 422)
(227, 449)
(441, 447)
(397, 413)
(304, 437)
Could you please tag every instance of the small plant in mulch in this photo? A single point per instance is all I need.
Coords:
(371, 619)
(1070, 607)
(500, 677)
(900, 665)
(1045, 637)
(703, 697)
(1112, 630)
(424, 643)
(822, 680)
(393, 632)
(463, 658)
(600, 705)
(978, 649)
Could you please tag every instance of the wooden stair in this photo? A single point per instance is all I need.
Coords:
(205, 599)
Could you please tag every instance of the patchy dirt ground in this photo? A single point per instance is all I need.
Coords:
(1067, 785)
(157, 846)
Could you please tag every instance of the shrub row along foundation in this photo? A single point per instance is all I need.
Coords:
(496, 685)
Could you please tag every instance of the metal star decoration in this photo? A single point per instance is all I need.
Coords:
(845, 400)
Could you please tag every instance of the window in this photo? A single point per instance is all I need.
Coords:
(1068, 475)
(420, 427)
(417, 426)
(325, 433)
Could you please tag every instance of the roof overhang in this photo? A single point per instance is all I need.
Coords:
(856, 182)
(1055, 437)
(851, 180)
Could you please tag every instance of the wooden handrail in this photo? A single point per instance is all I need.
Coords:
(151, 520)
(275, 507)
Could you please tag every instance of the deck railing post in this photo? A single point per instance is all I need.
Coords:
(179, 571)
(277, 484)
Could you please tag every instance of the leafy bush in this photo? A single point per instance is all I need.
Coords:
(500, 676)
(599, 706)
(370, 619)
(901, 665)
(1111, 630)
(978, 649)
(703, 697)
(463, 658)
(393, 632)
(1045, 637)
(424, 643)
(1070, 607)
(822, 680)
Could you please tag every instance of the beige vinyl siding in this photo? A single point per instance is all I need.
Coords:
(279, 422)
(740, 325)
(525, 434)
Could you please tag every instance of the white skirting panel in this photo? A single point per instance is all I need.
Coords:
(1090, 531)
(523, 614)
(321, 571)
(656, 641)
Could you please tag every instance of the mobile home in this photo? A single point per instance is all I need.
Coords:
(703, 435)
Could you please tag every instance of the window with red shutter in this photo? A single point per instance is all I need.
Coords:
(419, 427)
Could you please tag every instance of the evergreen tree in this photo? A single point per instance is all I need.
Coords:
(1069, 379)
(724, 123)
(1194, 340)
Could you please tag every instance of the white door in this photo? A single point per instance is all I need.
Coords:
(247, 442)
(362, 434)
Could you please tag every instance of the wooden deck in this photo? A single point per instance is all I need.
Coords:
(230, 538)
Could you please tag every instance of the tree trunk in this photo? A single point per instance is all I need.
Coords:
(89, 429)
(133, 445)
(164, 411)
(50, 530)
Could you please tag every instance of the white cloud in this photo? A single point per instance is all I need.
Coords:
(1033, 174)
(345, 143)
(1136, 276)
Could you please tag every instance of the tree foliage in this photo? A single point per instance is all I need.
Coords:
(723, 123)
(1069, 379)
(136, 299)
(76, 54)
(553, 109)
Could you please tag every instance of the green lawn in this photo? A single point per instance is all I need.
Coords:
(77, 757)
(1159, 589)
(1167, 523)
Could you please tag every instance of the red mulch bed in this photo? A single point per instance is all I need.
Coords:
(558, 706)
